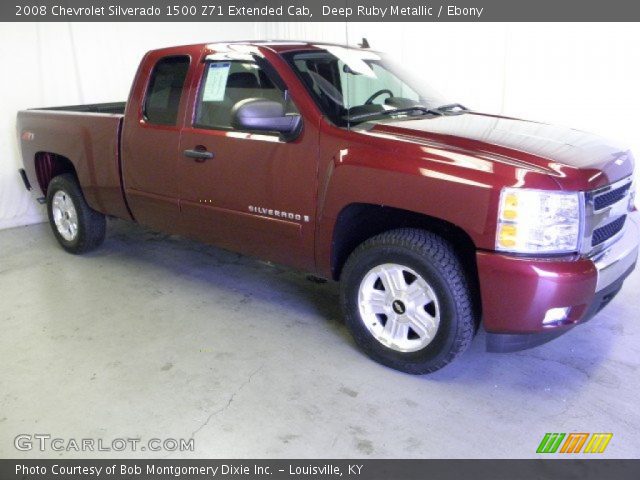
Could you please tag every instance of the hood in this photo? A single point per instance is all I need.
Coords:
(578, 159)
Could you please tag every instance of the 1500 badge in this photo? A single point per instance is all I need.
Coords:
(279, 214)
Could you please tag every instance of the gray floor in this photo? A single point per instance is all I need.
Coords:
(158, 337)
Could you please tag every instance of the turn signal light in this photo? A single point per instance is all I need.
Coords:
(507, 236)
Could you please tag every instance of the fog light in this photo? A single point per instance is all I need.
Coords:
(556, 316)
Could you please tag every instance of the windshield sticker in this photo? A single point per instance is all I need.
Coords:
(216, 82)
(355, 60)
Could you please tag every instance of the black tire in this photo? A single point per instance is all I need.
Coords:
(91, 225)
(433, 258)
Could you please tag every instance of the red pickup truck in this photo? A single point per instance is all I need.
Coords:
(334, 160)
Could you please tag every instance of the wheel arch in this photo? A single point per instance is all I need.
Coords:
(49, 165)
(358, 222)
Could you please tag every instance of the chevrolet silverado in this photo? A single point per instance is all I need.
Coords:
(435, 219)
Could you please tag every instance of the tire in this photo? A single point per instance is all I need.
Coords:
(77, 227)
(413, 279)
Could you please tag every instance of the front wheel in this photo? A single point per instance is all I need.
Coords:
(407, 301)
(77, 227)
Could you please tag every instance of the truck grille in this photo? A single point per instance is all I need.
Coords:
(606, 212)
(609, 198)
(602, 234)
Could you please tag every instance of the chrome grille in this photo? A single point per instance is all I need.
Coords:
(605, 214)
(602, 234)
(612, 196)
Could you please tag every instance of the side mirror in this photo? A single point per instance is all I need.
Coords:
(263, 115)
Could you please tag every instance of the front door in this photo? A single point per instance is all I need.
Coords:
(256, 193)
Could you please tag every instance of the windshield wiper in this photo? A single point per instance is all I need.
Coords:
(397, 111)
(451, 107)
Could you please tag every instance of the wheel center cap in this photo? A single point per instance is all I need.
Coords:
(398, 307)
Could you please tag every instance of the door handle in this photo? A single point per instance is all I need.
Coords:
(198, 154)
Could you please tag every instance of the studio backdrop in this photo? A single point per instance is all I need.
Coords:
(581, 75)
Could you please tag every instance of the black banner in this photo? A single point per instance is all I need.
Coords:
(320, 469)
(319, 10)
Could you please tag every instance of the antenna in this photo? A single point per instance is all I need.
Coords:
(364, 44)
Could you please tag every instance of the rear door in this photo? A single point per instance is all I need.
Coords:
(257, 193)
(151, 138)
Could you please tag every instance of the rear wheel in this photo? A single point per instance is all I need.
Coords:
(77, 227)
(407, 301)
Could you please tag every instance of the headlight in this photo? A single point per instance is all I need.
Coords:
(537, 221)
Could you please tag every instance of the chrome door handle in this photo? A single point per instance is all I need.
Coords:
(198, 155)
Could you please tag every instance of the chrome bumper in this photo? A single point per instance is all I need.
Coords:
(620, 256)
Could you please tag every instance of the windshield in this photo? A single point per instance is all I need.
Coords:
(353, 86)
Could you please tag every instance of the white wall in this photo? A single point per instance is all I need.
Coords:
(582, 75)
(48, 64)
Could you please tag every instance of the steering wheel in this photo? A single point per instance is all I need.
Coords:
(377, 94)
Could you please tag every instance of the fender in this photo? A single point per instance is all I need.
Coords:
(416, 177)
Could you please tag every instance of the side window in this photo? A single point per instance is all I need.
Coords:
(165, 89)
(225, 83)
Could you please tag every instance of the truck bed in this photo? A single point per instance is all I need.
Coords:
(88, 136)
(114, 108)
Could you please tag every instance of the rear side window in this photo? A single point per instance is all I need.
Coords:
(165, 89)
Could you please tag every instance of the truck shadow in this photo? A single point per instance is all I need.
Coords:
(578, 358)
(582, 358)
(222, 270)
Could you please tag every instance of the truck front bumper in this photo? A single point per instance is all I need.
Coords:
(527, 302)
